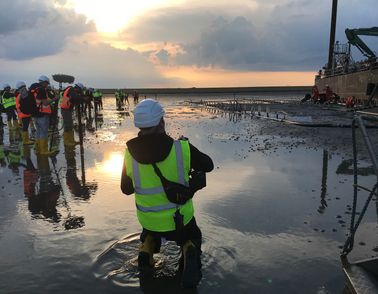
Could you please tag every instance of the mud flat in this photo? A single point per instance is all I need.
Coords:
(273, 216)
(322, 126)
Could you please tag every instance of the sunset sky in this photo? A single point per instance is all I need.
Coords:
(173, 43)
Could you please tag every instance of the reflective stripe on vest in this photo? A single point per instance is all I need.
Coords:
(46, 109)
(155, 212)
(9, 102)
(65, 102)
(156, 190)
(157, 208)
(14, 158)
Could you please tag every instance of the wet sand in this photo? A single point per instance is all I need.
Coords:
(272, 219)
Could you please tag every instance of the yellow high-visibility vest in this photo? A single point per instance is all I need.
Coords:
(154, 211)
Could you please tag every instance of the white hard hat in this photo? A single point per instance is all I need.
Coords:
(6, 86)
(79, 85)
(43, 78)
(148, 113)
(20, 84)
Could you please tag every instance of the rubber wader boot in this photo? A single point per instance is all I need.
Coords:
(68, 138)
(16, 125)
(146, 252)
(25, 138)
(37, 144)
(44, 148)
(27, 152)
(191, 274)
(43, 163)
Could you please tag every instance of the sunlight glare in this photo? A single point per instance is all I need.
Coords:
(112, 165)
(112, 15)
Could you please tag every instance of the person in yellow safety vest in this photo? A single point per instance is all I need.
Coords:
(153, 152)
(97, 95)
(9, 102)
(2, 109)
(96, 99)
(72, 95)
(22, 93)
(39, 91)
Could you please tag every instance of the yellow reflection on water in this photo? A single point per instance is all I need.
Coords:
(112, 164)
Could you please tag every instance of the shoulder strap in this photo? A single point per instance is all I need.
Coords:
(159, 174)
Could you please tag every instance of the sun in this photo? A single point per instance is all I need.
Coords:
(111, 16)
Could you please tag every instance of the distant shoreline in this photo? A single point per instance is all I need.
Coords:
(217, 90)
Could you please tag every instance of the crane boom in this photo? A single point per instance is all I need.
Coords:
(354, 39)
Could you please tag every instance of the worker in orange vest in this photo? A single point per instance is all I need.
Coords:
(315, 94)
(72, 95)
(22, 93)
(42, 118)
(328, 93)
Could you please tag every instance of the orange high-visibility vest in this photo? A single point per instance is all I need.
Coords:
(45, 109)
(66, 103)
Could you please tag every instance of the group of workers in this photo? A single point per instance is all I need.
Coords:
(122, 97)
(37, 107)
(163, 173)
(328, 96)
(32, 112)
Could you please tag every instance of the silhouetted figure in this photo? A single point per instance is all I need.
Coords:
(136, 97)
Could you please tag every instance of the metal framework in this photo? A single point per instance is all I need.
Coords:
(362, 275)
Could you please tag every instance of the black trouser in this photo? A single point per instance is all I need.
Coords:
(191, 232)
(11, 113)
(25, 124)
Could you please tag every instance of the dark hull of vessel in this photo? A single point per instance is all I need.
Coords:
(350, 84)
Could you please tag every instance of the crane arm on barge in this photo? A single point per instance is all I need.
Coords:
(354, 39)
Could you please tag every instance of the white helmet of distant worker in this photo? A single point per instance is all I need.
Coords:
(79, 85)
(148, 113)
(43, 78)
(20, 84)
(6, 85)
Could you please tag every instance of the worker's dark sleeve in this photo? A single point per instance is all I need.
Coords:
(126, 182)
(75, 98)
(200, 161)
(41, 94)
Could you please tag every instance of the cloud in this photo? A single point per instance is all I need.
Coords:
(30, 29)
(268, 35)
(170, 24)
(97, 65)
(163, 56)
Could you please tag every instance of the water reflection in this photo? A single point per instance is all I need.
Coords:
(79, 188)
(48, 190)
(43, 192)
(118, 263)
(254, 216)
(13, 152)
(323, 202)
(2, 151)
(111, 165)
(99, 120)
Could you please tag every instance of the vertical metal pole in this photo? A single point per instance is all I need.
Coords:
(332, 35)
(369, 145)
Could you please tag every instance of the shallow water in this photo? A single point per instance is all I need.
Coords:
(273, 217)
